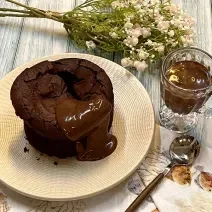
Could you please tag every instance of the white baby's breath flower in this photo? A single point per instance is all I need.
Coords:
(174, 44)
(149, 43)
(178, 23)
(113, 35)
(159, 18)
(160, 48)
(186, 27)
(125, 41)
(182, 38)
(134, 2)
(115, 4)
(150, 11)
(140, 66)
(146, 32)
(190, 41)
(131, 41)
(131, 16)
(156, 1)
(156, 14)
(172, 22)
(145, 2)
(137, 7)
(171, 33)
(142, 54)
(187, 40)
(127, 31)
(128, 25)
(141, 11)
(90, 44)
(125, 62)
(127, 19)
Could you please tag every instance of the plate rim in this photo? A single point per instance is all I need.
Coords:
(92, 194)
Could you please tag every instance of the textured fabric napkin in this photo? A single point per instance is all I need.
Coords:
(185, 189)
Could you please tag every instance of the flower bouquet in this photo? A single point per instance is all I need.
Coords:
(144, 30)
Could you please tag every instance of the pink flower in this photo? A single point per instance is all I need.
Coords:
(134, 41)
(173, 8)
(146, 32)
(140, 66)
(163, 25)
(136, 32)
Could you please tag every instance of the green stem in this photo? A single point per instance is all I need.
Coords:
(95, 39)
(19, 4)
(14, 10)
(88, 3)
(17, 15)
(37, 12)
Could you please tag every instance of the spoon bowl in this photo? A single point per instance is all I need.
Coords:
(184, 150)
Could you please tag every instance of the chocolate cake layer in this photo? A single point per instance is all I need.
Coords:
(60, 148)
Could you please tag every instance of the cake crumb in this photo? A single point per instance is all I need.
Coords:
(26, 150)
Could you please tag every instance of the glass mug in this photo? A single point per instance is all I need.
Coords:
(185, 87)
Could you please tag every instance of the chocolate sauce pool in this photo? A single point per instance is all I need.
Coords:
(90, 119)
(189, 75)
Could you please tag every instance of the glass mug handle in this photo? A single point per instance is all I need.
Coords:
(206, 111)
(205, 114)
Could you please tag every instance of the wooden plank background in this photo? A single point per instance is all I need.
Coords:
(23, 40)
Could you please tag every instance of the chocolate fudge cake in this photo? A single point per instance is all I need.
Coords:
(67, 108)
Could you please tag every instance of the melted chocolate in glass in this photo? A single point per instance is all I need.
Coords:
(189, 75)
(90, 119)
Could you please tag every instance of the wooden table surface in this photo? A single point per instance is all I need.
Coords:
(23, 40)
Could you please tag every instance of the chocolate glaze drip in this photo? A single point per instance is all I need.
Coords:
(100, 144)
(90, 119)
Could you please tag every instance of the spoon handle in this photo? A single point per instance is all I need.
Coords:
(146, 192)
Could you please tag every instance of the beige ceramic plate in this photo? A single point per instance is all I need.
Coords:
(35, 175)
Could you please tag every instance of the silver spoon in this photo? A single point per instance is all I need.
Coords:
(183, 151)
